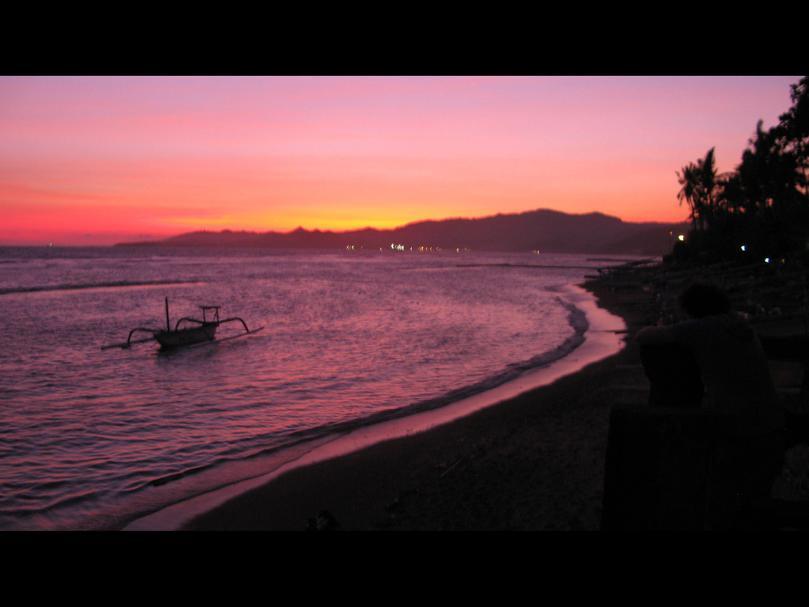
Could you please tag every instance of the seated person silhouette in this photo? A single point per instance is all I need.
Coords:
(718, 349)
(723, 347)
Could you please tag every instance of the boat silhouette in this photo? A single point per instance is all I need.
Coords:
(202, 330)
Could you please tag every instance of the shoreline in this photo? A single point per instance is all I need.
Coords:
(602, 340)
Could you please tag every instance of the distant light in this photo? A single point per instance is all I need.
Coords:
(743, 247)
(681, 238)
(766, 260)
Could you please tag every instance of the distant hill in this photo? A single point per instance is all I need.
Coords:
(543, 229)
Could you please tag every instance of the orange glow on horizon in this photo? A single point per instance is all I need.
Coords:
(103, 160)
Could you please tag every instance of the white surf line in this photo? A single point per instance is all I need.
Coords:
(602, 339)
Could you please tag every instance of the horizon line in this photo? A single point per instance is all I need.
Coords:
(416, 221)
(327, 231)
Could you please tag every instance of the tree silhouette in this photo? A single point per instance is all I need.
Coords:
(773, 190)
(699, 189)
(795, 122)
(764, 203)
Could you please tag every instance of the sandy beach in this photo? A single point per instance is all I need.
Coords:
(533, 462)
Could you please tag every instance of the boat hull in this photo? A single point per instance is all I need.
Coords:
(186, 337)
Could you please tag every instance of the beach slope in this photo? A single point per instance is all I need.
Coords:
(533, 462)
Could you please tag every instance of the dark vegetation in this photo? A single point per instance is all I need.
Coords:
(758, 213)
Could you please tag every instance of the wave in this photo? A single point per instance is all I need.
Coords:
(576, 318)
(95, 285)
(523, 265)
(578, 321)
(78, 505)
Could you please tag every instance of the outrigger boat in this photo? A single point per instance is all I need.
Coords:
(187, 336)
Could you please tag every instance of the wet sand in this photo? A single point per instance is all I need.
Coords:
(535, 461)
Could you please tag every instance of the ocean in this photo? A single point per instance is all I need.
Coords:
(92, 438)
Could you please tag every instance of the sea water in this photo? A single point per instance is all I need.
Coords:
(92, 438)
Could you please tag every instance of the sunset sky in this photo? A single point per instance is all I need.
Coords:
(99, 160)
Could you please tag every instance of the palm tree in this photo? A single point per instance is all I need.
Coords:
(708, 182)
(689, 181)
(765, 201)
(699, 189)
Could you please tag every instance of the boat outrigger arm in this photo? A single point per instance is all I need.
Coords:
(204, 332)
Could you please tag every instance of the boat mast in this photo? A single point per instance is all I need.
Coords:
(168, 325)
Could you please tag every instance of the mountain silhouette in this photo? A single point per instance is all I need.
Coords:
(543, 229)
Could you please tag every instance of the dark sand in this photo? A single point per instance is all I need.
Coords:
(533, 462)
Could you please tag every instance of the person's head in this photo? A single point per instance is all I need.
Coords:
(704, 299)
